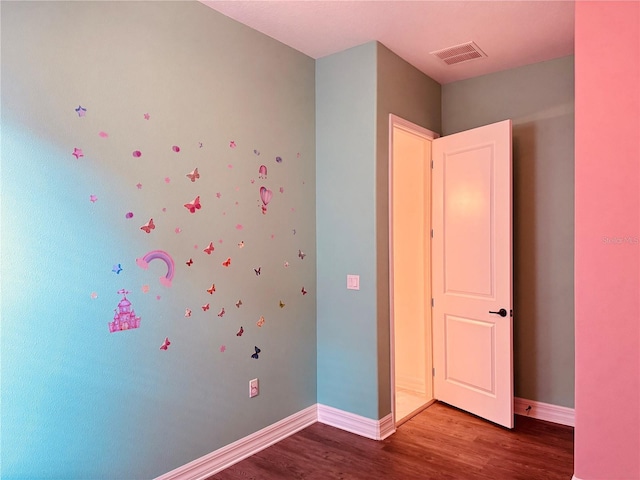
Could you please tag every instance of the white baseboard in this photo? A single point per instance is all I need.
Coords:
(574, 478)
(413, 384)
(228, 455)
(350, 422)
(545, 411)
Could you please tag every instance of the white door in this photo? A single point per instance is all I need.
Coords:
(472, 273)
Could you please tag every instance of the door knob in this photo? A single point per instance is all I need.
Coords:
(502, 312)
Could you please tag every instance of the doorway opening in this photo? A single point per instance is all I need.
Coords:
(410, 267)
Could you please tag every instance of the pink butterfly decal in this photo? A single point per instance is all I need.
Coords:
(301, 254)
(165, 344)
(227, 262)
(190, 262)
(240, 332)
(147, 227)
(205, 307)
(212, 289)
(193, 175)
(221, 313)
(238, 303)
(209, 249)
(260, 322)
(303, 291)
(187, 312)
(194, 205)
(258, 271)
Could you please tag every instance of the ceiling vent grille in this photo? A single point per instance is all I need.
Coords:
(459, 53)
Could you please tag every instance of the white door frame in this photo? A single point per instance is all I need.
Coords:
(398, 122)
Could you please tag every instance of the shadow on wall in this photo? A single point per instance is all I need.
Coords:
(524, 254)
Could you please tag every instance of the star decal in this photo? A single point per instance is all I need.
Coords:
(77, 152)
(117, 268)
(81, 111)
(139, 186)
(147, 116)
(93, 198)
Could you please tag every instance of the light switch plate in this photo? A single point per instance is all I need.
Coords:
(353, 282)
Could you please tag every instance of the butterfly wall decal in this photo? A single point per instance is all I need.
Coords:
(187, 312)
(212, 289)
(257, 351)
(303, 291)
(147, 227)
(221, 313)
(193, 205)
(193, 175)
(282, 304)
(241, 244)
(258, 270)
(190, 262)
(205, 307)
(209, 249)
(301, 254)
(238, 303)
(240, 332)
(227, 262)
(165, 344)
(260, 322)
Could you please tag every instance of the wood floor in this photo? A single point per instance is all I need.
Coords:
(439, 443)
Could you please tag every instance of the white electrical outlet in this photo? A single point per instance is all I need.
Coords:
(254, 388)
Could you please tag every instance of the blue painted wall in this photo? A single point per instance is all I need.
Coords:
(79, 401)
(356, 90)
(345, 216)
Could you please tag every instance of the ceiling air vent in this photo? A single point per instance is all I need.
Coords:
(459, 53)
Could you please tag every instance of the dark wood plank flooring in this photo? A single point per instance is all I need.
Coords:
(440, 443)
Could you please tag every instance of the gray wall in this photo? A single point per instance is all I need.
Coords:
(539, 99)
(81, 402)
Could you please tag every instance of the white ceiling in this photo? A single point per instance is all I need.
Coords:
(511, 33)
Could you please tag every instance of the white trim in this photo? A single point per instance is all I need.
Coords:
(575, 478)
(545, 411)
(228, 455)
(395, 120)
(350, 422)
